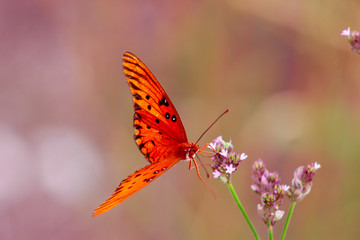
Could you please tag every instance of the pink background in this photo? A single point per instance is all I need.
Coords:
(66, 136)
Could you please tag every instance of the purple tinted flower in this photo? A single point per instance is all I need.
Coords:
(285, 188)
(353, 39)
(216, 174)
(225, 161)
(302, 181)
(230, 169)
(346, 32)
(263, 180)
(224, 152)
(268, 208)
(266, 184)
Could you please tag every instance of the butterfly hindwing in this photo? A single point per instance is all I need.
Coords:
(134, 183)
(153, 143)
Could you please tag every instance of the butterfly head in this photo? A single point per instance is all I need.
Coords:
(191, 150)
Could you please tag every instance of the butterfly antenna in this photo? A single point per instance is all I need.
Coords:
(226, 111)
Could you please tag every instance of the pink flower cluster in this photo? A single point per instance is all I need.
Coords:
(225, 161)
(267, 185)
(302, 181)
(353, 39)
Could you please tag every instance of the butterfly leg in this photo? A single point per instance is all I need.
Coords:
(198, 173)
(208, 154)
(206, 145)
(201, 164)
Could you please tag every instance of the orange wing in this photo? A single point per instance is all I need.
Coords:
(157, 124)
(159, 132)
(134, 183)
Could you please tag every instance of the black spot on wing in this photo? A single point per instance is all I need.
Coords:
(164, 102)
(149, 179)
(137, 96)
(136, 126)
(137, 107)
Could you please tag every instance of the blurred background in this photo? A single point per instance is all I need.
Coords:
(66, 135)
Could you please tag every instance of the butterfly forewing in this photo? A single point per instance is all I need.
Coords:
(150, 97)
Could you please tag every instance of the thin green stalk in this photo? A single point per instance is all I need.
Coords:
(270, 230)
(288, 220)
(237, 200)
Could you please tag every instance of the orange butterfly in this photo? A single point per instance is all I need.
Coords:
(159, 132)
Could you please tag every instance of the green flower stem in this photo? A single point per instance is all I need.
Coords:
(270, 229)
(237, 200)
(288, 220)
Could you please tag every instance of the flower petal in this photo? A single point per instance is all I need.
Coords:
(346, 32)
